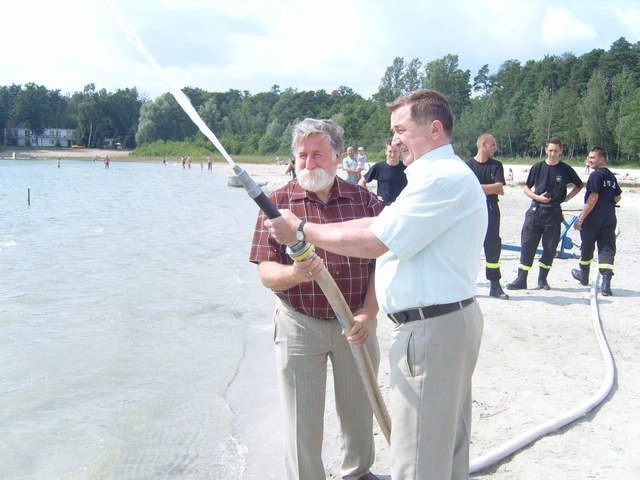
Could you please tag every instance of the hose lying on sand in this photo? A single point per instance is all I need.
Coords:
(530, 436)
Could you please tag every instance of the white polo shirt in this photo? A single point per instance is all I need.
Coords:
(434, 232)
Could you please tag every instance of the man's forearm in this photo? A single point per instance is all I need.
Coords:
(348, 239)
(493, 188)
(573, 193)
(370, 306)
(277, 276)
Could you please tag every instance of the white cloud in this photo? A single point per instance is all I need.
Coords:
(561, 26)
(631, 19)
(252, 44)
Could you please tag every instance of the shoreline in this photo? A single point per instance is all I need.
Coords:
(64, 154)
(629, 177)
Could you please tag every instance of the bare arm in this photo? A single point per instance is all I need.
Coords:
(364, 318)
(351, 242)
(352, 238)
(573, 192)
(493, 188)
(538, 198)
(278, 276)
(592, 199)
(348, 169)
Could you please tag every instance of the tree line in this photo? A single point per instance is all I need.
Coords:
(592, 99)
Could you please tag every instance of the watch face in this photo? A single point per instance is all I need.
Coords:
(299, 235)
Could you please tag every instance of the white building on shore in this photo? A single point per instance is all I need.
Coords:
(50, 137)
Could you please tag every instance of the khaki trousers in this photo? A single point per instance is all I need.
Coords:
(432, 362)
(303, 345)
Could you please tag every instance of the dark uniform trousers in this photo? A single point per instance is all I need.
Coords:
(603, 233)
(492, 241)
(541, 221)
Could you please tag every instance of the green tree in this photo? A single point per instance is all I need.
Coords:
(482, 83)
(122, 109)
(7, 99)
(89, 113)
(623, 89)
(543, 118)
(163, 119)
(628, 129)
(478, 118)
(32, 108)
(568, 119)
(446, 77)
(593, 110)
(399, 78)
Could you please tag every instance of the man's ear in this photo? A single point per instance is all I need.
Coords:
(436, 129)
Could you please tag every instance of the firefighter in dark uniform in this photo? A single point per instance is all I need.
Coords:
(597, 221)
(490, 173)
(546, 186)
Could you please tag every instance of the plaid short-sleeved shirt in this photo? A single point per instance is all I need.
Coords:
(347, 202)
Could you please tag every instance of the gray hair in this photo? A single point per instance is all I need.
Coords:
(308, 127)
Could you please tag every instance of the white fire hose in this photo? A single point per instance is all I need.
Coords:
(579, 411)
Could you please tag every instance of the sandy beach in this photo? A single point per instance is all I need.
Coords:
(66, 153)
(539, 360)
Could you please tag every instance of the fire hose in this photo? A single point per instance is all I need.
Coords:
(579, 411)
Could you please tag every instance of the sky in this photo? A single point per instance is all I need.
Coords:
(252, 45)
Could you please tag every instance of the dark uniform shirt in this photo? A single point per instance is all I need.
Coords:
(391, 180)
(552, 179)
(488, 172)
(605, 184)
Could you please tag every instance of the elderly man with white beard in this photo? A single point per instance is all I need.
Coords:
(307, 333)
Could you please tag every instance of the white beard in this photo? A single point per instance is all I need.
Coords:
(315, 180)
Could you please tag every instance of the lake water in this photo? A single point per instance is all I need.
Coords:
(125, 302)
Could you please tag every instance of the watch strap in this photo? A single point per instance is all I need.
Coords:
(300, 228)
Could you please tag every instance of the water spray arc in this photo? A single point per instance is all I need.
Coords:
(297, 251)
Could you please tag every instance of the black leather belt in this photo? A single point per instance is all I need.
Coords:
(544, 205)
(431, 311)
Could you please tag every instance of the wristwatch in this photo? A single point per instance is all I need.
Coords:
(299, 232)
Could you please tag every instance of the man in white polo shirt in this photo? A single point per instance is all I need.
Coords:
(428, 245)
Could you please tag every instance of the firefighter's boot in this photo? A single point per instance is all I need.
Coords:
(496, 290)
(520, 283)
(605, 288)
(542, 279)
(581, 275)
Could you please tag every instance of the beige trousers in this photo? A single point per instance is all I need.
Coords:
(303, 345)
(432, 362)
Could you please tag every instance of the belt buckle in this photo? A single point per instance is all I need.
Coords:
(399, 318)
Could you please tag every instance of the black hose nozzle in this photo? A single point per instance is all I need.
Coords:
(256, 192)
